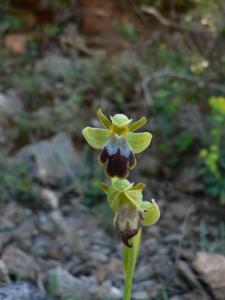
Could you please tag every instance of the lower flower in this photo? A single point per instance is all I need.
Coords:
(131, 212)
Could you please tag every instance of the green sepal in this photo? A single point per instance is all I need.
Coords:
(113, 199)
(121, 184)
(139, 141)
(135, 197)
(96, 137)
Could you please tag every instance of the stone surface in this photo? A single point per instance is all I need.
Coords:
(211, 267)
(149, 165)
(140, 295)
(10, 105)
(54, 65)
(49, 198)
(4, 276)
(187, 181)
(66, 284)
(190, 120)
(19, 263)
(188, 275)
(51, 160)
(191, 296)
(21, 291)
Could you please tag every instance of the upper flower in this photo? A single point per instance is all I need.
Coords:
(118, 142)
(126, 200)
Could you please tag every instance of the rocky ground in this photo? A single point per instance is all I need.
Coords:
(57, 239)
(61, 247)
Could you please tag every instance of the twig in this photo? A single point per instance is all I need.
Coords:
(145, 88)
(154, 12)
(197, 80)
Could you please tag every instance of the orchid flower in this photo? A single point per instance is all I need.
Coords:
(131, 212)
(118, 142)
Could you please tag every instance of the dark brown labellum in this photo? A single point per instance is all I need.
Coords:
(118, 157)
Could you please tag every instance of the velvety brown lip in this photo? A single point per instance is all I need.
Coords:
(118, 163)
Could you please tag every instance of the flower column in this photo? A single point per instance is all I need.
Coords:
(119, 144)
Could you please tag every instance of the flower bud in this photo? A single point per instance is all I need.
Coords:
(127, 222)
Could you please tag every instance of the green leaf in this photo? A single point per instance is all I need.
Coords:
(139, 141)
(96, 137)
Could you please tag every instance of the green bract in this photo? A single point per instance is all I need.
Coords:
(118, 142)
(126, 201)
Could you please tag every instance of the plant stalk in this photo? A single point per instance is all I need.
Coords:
(129, 261)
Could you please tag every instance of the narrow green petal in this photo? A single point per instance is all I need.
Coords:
(139, 141)
(139, 186)
(105, 187)
(151, 213)
(135, 197)
(139, 123)
(96, 137)
(103, 119)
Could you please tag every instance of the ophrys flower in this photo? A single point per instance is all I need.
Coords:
(118, 142)
(126, 201)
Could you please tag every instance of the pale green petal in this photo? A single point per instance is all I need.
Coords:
(121, 184)
(139, 141)
(120, 120)
(151, 213)
(139, 123)
(139, 186)
(135, 197)
(103, 119)
(105, 187)
(96, 137)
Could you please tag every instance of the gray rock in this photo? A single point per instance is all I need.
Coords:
(49, 199)
(20, 263)
(190, 120)
(108, 291)
(62, 284)
(191, 296)
(10, 105)
(51, 160)
(188, 182)
(21, 291)
(4, 276)
(188, 275)
(54, 65)
(149, 165)
(211, 267)
(140, 296)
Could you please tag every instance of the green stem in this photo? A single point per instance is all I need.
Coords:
(129, 261)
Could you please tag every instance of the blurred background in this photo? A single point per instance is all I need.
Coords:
(59, 62)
